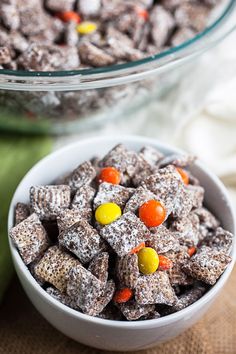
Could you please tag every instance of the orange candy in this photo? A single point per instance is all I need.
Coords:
(152, 213)
(191, 251)
(138, 248)
(142, 13)
(183, 174)
(67, 16)
(110, 175)
(123, 295)
(164, 263)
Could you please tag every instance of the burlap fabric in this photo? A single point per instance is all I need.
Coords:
(24, 331)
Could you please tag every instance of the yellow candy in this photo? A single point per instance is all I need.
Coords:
(86, 27)
(148, 260)
(107, 213)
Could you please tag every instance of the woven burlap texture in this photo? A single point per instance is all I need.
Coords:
(24, 331)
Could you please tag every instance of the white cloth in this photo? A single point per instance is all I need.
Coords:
(199, 115)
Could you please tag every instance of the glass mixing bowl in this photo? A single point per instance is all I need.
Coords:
(62, 102)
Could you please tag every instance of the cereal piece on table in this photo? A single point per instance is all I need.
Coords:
(30, 238)
(163, 240)
(220, 240)
(68, 217)
(151, 155)
(133, 311)
(207, 264)
(155, 289)
(83, 200)
(125, 233)
(89, 8)
(48, 201)
(99, 266)
(82, 240)
(127, 270)
(54, 267)
(187, 230)
(111, 193)
(5, 55)
(90, 294)
(162, 24)
(123, 160)
(62, 297)
(186, 299)
(94, 56)
(192, 15)
(165, 184)
(177, 160)
(83, 175)
(176, 275)
(21, 212)
(140, 196)
(59, 5)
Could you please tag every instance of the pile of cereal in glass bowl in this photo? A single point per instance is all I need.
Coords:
(125, 237)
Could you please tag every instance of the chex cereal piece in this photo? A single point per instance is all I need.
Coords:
(163, 240)
(194, 15)
(83, 200)
(151, 155)
(187, 298)
(62, 297)
(112, 193)
(207, 218)
(59, 5)
(67, 218)
(127, 270)
(125, 233)
(21, 212)
(165, 185)
(133, 311)
(30, 238)
(82, 240)
(83, 175)
(123, 160)
(162, 24)
(140, 196)
(54, 267)
(111, 312)
(90, 294)
(220, 240)
(48, 201)
(155, 289)
(5, 55)
(188, 230)
(183, 203)
(176, 275)
(198, 195)
(177, 160)
(151, 316)
(207, 264)
(99, 266)
(144, 169)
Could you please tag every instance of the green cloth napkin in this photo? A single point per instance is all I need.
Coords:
(17, 156)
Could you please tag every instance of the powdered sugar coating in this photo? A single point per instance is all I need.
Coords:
(140, 196)
(83, 200)
(21, 212)
(62, 297)
(151, 155)
(177, 160)
(207, 264)
(155, 289)
(30, 238)
(125, 233)
(67, 218)
(83, 175)
(99, 266)
(54, 267)
(82, 240)
(188, 230)
(48, 201)
(220, 240)
(112, 193)
(176, 274)
(127, 270)
(163, 240)
(133, 311)
(144, 169)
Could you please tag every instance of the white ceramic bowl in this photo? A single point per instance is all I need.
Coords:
(100, 333)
